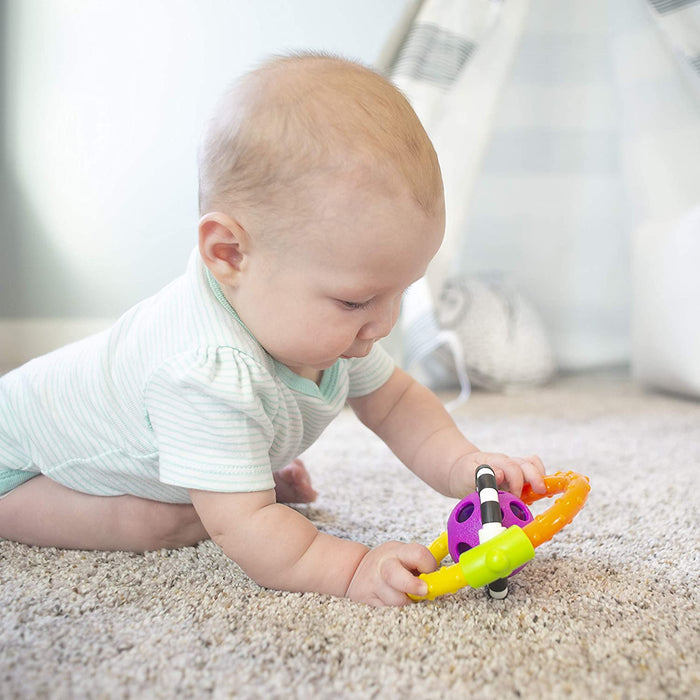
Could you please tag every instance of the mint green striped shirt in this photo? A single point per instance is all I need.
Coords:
(176, 395)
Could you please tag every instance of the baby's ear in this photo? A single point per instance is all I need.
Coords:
(223, 245)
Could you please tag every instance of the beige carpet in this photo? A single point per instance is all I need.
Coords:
(607, 610)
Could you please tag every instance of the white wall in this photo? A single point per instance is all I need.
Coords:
(104, 103)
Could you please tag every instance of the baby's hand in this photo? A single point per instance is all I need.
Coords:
(388, 572)
(514, 472)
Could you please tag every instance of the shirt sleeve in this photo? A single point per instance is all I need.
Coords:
(367, 374)
(210, 412)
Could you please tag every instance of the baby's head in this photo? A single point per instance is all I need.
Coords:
(321, 201)
(284, 129)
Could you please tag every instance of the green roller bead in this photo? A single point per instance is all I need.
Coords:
(497, 557)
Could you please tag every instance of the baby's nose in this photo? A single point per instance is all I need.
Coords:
(379, 326)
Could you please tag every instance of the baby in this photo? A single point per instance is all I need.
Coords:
(321, 201)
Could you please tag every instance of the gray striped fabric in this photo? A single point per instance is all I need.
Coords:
(433, 54)
(679, 20)
(670, 5)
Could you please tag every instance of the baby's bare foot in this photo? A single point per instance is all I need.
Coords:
(293, 484)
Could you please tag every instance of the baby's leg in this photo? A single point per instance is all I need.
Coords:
(43, 513)
(293, 484)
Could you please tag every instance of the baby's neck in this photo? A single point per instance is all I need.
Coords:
(310, 373)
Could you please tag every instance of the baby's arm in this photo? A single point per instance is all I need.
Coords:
(279, 548)
(415, 425)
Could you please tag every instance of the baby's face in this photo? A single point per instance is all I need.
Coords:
(338, 289)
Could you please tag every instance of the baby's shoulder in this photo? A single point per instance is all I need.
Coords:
(215, 379)
(217, 364)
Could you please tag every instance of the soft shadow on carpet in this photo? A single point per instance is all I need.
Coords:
(608, 609)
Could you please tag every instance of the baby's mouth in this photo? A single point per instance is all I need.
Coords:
(364, 353)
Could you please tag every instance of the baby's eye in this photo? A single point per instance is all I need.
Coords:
(354, 305)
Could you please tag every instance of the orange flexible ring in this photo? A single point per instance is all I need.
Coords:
(575, 488)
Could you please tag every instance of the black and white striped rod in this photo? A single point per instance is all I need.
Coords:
(491, 519)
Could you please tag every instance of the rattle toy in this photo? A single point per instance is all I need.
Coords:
(487, 549)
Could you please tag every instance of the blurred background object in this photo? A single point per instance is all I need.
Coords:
(568, 133)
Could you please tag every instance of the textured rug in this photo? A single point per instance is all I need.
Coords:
(608, 609)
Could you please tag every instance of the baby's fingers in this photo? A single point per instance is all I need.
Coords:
(400, 579)
(417, 557)
(533, 471)
(398, 571)
(511, 473)
(516, 471)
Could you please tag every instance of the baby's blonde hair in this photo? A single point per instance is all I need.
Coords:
(306, 116)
